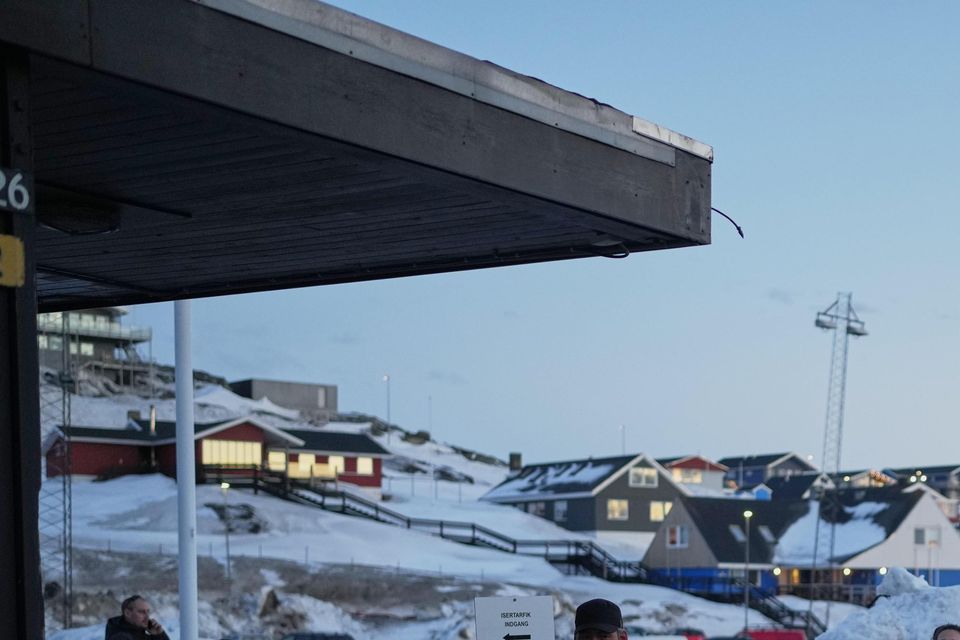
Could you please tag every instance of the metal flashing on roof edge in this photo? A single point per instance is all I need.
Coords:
(347, 33)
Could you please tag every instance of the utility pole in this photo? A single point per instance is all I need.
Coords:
(840, 318)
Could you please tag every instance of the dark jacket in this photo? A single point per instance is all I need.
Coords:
(120, 629)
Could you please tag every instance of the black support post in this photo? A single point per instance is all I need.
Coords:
(21, 605)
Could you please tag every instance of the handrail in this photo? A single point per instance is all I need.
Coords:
(597, 560)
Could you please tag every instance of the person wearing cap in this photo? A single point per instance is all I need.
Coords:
(599, 619)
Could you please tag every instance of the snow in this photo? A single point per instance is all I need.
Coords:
(555, 478)
(795, 546)
(909, 609)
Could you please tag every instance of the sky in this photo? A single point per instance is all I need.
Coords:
(834, 127)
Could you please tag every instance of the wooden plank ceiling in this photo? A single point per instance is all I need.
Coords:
(144, 195)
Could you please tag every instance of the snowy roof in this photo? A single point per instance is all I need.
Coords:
(718, 518)
(761, 460)
(950, 469)
(691, 462)
(792, 487)
(336, 441)
(216, 395)
(138, 431)
(556, 479)
(862, 518)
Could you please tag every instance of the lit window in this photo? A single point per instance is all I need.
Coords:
(677, 537)
(42, 341)
(337, 465)
(365, 466)
(618, 509)
(56, 343)
(659, 510)
(86, 348)
(643, 477)
(560, 511)
(230, 452)
(73, 348)
(277, 460)
(306, 461)
(688, 476)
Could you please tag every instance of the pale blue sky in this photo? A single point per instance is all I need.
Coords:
(835, 131)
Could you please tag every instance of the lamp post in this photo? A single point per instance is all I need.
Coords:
(224, 488)
(746, 564)
(386, 379)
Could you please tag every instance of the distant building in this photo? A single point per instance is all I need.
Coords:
(703, 542)
(314, 400)
(621, 498)
(223, 448)
(94, 340)
(751, 470)
(943, 478)
(696, 472)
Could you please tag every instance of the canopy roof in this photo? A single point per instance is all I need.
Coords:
(190, 148)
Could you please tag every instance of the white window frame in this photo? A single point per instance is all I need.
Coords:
(644, 477)
(364, 466)
(659, 510)
(682, 539)
(614, 511)
(560, 510)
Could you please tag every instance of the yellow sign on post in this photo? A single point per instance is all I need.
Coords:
(11, 261)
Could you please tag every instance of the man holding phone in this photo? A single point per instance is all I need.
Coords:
(135, 622)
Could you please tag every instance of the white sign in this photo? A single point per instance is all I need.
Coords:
(515, 618)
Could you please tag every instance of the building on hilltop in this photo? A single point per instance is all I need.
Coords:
(317, 401)
(94, 340)
(755, 469)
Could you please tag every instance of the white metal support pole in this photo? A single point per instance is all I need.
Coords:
(186, 473)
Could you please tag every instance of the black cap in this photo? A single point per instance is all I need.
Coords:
(599, 614)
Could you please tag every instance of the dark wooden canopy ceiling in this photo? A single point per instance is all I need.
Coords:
(185, 152)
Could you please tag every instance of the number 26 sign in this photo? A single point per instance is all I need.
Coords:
(16, 191)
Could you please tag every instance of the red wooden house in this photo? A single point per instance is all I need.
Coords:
(242, 443)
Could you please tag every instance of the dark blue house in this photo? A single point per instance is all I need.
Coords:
(746, 471)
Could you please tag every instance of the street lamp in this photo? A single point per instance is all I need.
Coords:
(746, 564)
(224, 488)
(386, 378)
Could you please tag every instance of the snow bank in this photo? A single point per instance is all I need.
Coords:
(907, 609)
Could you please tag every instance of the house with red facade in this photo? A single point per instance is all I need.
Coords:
(221, 446)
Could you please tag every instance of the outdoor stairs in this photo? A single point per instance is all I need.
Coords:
(583, 556)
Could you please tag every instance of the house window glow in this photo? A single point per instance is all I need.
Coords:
(618, 509)
(678, 537)
(365, 466)
(276, 460)
(337, 464)
(659, 510)
(306, 461)
(231, 452)
(643, 477)
(688, 476)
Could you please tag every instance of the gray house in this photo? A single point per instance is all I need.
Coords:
(618, 494)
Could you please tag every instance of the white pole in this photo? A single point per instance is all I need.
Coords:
(186, 474)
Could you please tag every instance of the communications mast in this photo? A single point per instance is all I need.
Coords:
(840, 318)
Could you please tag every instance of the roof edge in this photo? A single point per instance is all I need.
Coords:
(383, 46)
